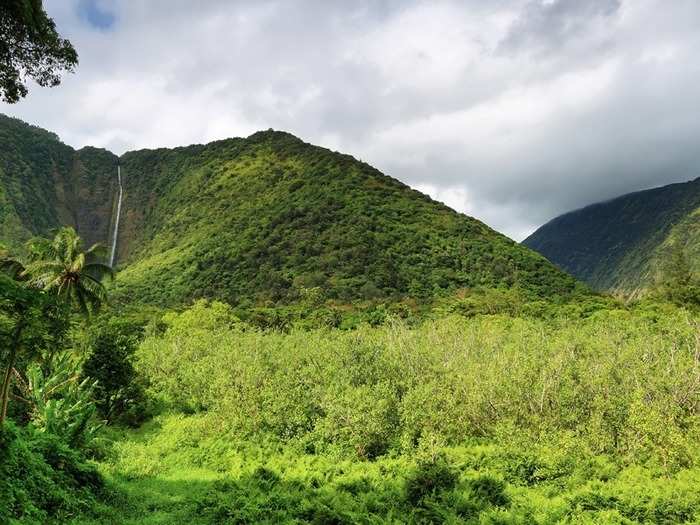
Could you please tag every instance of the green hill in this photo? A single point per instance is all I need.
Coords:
(622, 244)
(257, 220)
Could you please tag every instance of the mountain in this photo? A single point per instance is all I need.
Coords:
(45, 184)
(622, 244)
(254, 220)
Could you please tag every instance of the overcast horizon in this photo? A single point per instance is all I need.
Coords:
(512, 111)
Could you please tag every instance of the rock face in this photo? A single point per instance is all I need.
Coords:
(256, 220)
(94, 194)
(622, 244)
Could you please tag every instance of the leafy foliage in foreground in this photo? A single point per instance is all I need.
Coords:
(479, 419)
(109, 344)
(61, 403)
(42, 480)
(622, 382)
(188, 469)
(472, 418)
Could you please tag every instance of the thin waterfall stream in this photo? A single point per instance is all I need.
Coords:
(116, 223)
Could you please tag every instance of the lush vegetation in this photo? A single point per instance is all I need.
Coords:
(45, 184)
(481, 419)
(487, 406)
(374, 390)
(43, 471)
(295, 338)
(28, 159)
(623, 244)
(255, 222)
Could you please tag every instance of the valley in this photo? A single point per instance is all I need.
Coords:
(291, 336)
(220, 317)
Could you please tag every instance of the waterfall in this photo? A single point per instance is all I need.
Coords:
(116, 223)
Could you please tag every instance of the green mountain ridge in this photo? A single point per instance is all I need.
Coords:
(45, 183)
(256, 220)
(621, 244)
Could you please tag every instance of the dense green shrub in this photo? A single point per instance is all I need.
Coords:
(118, 393)
(429, 478)
(182, 469)
(373, 390)
(61, 403)
(588, 417)
(42, 479)
(489, 489)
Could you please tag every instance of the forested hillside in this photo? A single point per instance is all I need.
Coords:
(45, 184)
(624, 244)
(263, 217)
(478, 384)
(257, 220)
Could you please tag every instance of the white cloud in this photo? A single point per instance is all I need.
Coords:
(509, 110)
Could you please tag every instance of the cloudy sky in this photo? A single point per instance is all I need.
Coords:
(512, 111)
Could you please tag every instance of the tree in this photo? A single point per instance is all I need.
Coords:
(679, 284)
(118, 393)
(30, 321)
(61, 267)
(30, 47)
(59, 274)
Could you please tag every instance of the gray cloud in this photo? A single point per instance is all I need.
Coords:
(509, 110)
(546, 27)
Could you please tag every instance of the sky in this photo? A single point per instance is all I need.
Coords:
(512, 111)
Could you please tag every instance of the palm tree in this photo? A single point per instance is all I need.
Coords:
(61, 267)
(57, 267)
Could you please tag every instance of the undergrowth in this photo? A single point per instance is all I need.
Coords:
(42, 480)
(174, 470)
(489, 419)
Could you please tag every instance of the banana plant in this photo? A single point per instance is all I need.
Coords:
(61, 402)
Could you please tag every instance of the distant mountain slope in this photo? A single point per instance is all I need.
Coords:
(258, 219)
(621, 244)
(45, 184)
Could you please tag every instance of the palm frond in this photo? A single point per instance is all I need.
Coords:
(11, 266)
(98, 271)
(41, 273)
(81, 301)
(44, 266)
(96, 251)
(49, 282)
(93, 288)
(77, 263)
(40, 249)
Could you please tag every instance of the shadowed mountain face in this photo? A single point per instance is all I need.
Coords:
(255, 220)
(45, 184)
(621, 244)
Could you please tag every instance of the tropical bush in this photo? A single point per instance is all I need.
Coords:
(43, 480)
(612, 381)
(109, 345)
(62, 404)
